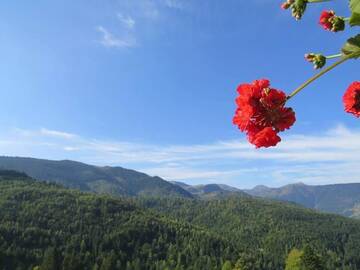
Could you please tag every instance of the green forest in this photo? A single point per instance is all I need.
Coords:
(46, 226)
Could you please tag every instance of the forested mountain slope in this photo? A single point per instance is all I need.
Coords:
(110, 180)
(267, 230)
(52, 227)
(55, 228)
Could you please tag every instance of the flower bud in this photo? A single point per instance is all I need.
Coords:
(297, 7)
(331, 22)
(318, 60)
(286, 5)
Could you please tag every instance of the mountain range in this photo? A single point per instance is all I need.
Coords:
(343, 199)
(116, 181)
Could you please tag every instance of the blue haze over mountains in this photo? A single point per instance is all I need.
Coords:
(343, 199)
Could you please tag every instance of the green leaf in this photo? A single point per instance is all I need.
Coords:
(355, 19)
(355, 12)
(352, 47)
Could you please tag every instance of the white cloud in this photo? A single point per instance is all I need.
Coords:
(55, 133)
(109, 40)
(71, 148)
(127, 21)
(143, 15)
(327, 157)
(176, 4)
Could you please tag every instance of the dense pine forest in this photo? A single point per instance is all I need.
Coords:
(51, 227)
(47, 226)
(268, 230)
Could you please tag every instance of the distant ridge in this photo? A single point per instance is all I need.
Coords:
(343, 199)
(110, 180)
(210, 191)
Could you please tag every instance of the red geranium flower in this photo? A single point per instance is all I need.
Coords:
(351, 99)
(265, 138)
(325, 19)
(329, 21)
(286, 119)
(261, 113)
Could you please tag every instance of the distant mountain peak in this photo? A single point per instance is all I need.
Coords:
(335, 198)
(209, 191)
(178, 183)
(260, 188)
(111, 180)
(299, 184)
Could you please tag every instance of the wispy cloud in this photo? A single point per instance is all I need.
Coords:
(127, 21)
(176, 4)
(327, 157)
(139, 14)
(55, 133)
(109, 40)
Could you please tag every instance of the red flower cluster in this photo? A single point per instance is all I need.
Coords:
(261, 113)
(351, 99)
(329, 21)
(325, 19)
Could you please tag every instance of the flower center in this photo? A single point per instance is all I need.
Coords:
(357, 100)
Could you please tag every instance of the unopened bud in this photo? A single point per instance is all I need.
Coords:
(285, 5)
(298, 8)
(338, 24)
(318, 60)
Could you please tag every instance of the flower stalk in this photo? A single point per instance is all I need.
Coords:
(318, 1)
(334, 56)
(317, 76)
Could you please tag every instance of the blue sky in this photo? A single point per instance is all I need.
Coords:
(150, 85)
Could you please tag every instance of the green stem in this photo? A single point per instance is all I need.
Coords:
(301, 87)
(318, 1)
(334, 56)
(346, 19)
